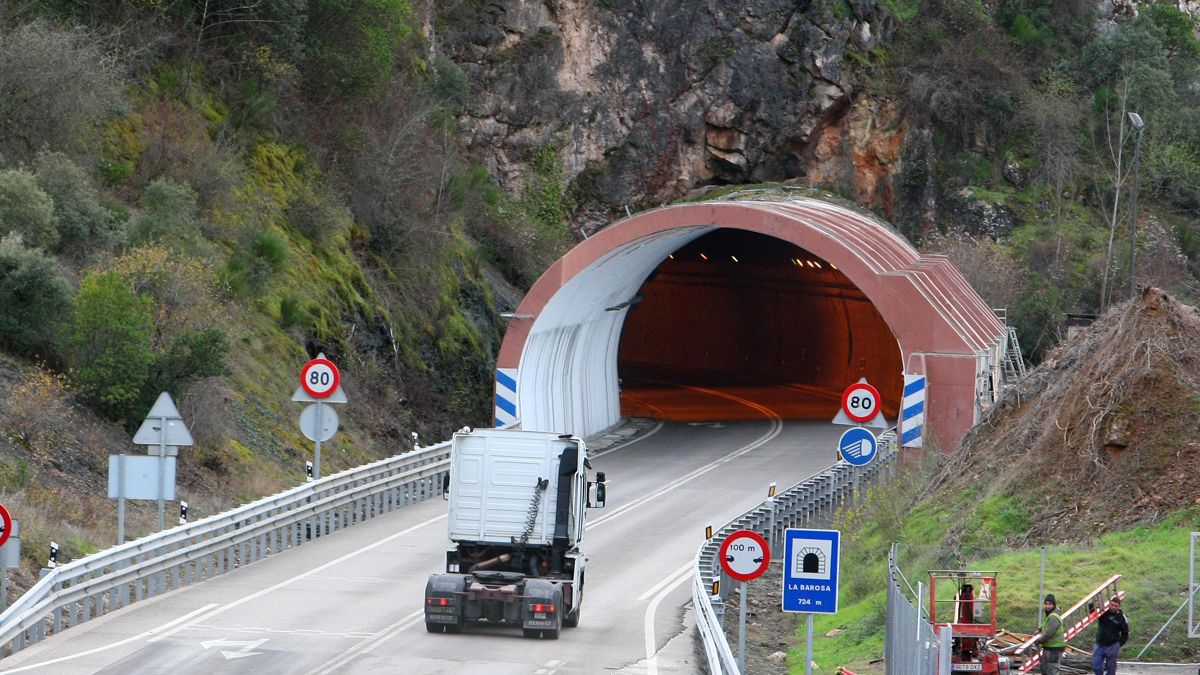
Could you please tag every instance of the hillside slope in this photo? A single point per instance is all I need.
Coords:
(1100, 436)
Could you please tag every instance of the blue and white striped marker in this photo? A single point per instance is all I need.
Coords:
(912, 411)
(506, 396)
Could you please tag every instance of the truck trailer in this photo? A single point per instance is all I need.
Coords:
(517, 505)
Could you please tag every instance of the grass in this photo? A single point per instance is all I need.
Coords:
(1152, 559)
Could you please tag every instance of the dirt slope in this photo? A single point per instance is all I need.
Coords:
(1104, 433)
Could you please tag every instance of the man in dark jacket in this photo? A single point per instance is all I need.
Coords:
(1051, 639)
(1111, 636)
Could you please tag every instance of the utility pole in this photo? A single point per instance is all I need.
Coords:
(1137, 122)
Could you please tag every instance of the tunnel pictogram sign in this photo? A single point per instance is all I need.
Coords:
(810, 570)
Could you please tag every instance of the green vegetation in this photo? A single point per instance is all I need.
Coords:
(954, 529)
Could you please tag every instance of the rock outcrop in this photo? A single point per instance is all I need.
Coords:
(643, 102)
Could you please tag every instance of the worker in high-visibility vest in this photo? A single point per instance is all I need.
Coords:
(1051, 639)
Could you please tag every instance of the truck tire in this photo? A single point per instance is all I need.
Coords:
(573, 617)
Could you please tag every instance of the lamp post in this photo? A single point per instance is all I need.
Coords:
(1136, 120)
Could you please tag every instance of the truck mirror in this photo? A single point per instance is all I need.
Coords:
(446, 487)
(599, 495)
(600, 477)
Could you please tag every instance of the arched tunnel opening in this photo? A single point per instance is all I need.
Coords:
(737, 311)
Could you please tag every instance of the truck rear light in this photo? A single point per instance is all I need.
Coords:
(439, 602)
(548, 609)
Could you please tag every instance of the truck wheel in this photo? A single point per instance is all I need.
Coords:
(571, 620)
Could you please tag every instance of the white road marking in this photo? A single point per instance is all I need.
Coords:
(648, 622)
(657, 587)
(126, 641)
(335, 664)
(298, 577)
(636, 439)
(775, 430)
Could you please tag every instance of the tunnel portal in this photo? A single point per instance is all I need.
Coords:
(768, 288)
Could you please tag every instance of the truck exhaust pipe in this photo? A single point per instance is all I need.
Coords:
(485, 564)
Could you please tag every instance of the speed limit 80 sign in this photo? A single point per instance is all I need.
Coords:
(860, 402)
(319, 378)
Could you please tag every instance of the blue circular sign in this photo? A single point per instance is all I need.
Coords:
(857, 446)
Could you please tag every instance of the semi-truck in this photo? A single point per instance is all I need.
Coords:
(517, 501)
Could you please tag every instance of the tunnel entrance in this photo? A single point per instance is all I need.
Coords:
(739, 311)
(637, 302)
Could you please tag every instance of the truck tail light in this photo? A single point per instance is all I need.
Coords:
(548, 609)
(439, 602)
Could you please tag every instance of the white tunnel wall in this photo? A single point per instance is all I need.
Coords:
(567, 378)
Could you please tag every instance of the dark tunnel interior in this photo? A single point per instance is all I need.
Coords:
(739, 312)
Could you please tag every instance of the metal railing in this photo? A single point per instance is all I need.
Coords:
(811, 501)
(75, 592)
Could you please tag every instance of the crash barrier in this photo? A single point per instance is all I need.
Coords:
(809, 503)
(910, 644)
(90, 587)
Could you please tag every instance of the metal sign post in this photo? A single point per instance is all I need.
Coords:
(164, 428)
(744, 555)
(320, 385)
(121, 498)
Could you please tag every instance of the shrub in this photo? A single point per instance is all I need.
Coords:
(34, 297)
(108, 345)
(83, 224)
(169, 216)
(58, 85)
(319, 213)
(354, 44)
(26, 210)
(253, 264)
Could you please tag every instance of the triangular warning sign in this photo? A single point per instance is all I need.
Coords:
(164, 407)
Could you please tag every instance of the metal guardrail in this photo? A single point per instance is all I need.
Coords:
(809, 502)
(75, 592)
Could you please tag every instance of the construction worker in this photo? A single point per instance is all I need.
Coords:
(1051, 638)
(1111, 636)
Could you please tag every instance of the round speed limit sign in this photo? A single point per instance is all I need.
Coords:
(860, 402)
(319, 378)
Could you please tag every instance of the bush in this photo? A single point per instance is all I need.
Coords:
(83, 224)
(26, 210)
(108, 345)
(254, 263)
(169, 216)
(34, 295)
(354, 44)
(58, 86)
(319, 213)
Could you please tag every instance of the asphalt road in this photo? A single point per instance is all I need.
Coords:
(351, 602)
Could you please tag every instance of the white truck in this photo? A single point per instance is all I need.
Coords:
(517, 502)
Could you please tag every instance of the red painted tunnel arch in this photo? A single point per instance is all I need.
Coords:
(557, 367)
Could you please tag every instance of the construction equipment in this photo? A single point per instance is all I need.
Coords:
(972, 608)
(1088, 610)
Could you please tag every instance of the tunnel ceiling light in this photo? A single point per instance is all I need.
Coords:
(832, 266)
(734, 257)
(703, 257)
(818, 264)
(670, 256)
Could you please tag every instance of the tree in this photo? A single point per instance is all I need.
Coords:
(84, 226)
(108, 345)
(1127, 71)
(56, 86)
(353, 45)
(34, 297)
(26, 210)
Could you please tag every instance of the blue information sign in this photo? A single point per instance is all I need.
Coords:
(858, 446)
(810, 570)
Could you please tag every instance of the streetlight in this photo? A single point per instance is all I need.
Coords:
(1136, 120)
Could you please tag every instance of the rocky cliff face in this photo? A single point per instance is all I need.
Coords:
(644, 101)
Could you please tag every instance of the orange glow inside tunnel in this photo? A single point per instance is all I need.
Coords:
(740, 315)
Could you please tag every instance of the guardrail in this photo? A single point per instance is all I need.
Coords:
(78, 591)
(811, 501)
